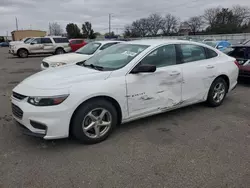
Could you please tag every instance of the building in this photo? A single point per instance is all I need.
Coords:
(20, 34)
(184, 29)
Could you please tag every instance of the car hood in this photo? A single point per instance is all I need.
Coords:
(66, 58)
(62, 77)
(16, 42)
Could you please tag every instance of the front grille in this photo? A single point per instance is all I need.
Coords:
(45, 64)
(17, 112)
(18, 96)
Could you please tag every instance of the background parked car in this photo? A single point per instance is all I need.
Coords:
(41, 45)
(76, 44)
(4, 44)
(220, 45)
(81, 54)
(242, 54)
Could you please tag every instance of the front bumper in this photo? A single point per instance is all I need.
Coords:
(46, 122)
(13, 52)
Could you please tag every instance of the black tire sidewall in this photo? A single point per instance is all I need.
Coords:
(210, 100)
(59, 49)
(84, 109)
(19, 52)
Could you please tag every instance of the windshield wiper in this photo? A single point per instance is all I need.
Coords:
(100, 68)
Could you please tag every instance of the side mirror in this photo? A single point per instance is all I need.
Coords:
(144, 68)
(32, 43)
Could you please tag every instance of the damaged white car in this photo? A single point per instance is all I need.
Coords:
(125, 82)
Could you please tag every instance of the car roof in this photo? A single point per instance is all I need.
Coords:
(157, 42)
(107, 41)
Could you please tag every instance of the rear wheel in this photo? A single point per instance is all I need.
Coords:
(22, 53)
(94, 121)
(217, 92)
(59, 51)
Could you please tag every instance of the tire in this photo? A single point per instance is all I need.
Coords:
(214, 99)
(23, 53)
(88, 119)
(59, 51)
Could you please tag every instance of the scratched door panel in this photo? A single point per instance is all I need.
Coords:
(151, 92)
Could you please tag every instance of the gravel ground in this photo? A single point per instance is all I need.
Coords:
(191, 147)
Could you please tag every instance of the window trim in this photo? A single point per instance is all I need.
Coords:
(112, 43)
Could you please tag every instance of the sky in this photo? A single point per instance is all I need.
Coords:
(37, 14)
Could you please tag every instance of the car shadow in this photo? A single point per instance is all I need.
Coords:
(244, 82)
(144, 123)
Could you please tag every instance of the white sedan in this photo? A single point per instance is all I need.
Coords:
(125, 82)
(81, 54)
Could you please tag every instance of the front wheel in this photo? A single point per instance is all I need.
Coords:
(217, 92)
(94, 121)
(22, 53)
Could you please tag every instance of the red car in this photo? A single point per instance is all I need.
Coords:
(75, 44)
(242, 55)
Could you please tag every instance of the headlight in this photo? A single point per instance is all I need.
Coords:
(47, 101)
(57, 64)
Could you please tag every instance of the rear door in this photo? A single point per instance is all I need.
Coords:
(198, 71)
(48, 46)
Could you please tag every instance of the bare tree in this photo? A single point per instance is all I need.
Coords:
(155, 23)
(169, 24)
(195, 23)
(242, 14)
(55, 29)
(210, 15)
(140, 27)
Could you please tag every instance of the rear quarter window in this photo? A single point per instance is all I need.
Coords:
(61, 40)
(210, 53)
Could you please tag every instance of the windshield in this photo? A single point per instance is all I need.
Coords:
(115, 57)
(210, 43)
(89, 48)
(28, 40)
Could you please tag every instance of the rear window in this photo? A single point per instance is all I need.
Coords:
(61, 40)
(76, 41)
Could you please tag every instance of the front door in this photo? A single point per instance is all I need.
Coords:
(152, 92)
(36, 46)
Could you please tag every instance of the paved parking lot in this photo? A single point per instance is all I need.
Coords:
(191, 147)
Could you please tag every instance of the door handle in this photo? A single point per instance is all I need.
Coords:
(210, 66)
(174, 73)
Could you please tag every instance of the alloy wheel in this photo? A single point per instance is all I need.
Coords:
(219, 92)
(97, 123)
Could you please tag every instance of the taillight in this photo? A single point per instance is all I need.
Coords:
(236, 63)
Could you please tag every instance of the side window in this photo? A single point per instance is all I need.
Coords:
(79, 42)
(107, 45)
(162, 56)
(211, 53)
(61, 40)
(37, 41)
(46, 41)
(191, 52)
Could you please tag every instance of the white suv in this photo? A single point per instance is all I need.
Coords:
(41, 45)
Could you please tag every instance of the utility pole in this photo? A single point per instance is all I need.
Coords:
(16, 24)
(109, 24)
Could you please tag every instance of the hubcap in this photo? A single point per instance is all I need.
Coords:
(219, 92)
(97, 123)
